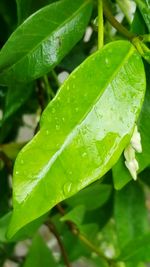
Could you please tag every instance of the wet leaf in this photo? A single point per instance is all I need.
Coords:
(83, 132)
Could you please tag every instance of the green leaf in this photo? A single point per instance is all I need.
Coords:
(121, 175)
(83, 132)
(76, 215)
(43, 40)
(137, 250)
(11, 149)
(4, 222)
(144, 129)
(16, 96)
(27, 7)
(100, 194)
(144, 7)
(39, 254)
(130, 213)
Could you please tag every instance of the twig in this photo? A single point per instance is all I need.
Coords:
(53, 229)
(100, 25)
(40, 94)
(116, 24)
(77, 233)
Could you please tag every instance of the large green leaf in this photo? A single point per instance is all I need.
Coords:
(43, 40)
(83, 131)
(130, 213)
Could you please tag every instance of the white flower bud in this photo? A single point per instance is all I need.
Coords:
(136, 140)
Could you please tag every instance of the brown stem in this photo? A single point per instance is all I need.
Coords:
(76, 232)
(53, 229)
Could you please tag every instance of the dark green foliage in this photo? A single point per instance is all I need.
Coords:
(75, 154)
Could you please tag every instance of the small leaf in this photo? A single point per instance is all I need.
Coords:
(79, 142)
(39, 254)
(43, 40)
(130, 213)
(121, 175)
(76, 215)
(100, 194)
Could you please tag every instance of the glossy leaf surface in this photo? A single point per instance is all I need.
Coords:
(49, 34)
(130, 213)
(83, 131)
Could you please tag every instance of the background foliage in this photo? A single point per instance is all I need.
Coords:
(78, 192)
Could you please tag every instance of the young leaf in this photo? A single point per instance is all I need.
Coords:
(39, 254)
(83, 132)
(121, 175)
(100, 194)
(43, 40)
(130, 213)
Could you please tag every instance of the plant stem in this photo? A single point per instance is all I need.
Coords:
(53, 229)
(84, 240)
(54, 75)
(116, 24)
(48, 87)
(100, 25)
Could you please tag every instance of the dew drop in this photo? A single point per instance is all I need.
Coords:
(76, 109)
(16, 172)
(68, 88)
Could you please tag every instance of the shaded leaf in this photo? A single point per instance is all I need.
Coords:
(144, 7)
(27, 7)
(80, 142)
(16, 96)
(144, 129)
(99, 193)
(121, 175)
(39, 254)
(75, 215)
(48, 35)
(137, 250)
(130, 213)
